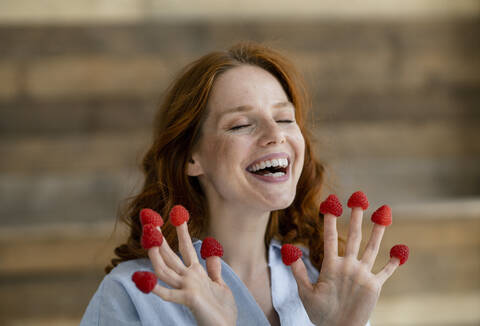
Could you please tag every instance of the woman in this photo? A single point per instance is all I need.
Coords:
(231, 145)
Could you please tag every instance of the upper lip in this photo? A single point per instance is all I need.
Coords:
(269, 157)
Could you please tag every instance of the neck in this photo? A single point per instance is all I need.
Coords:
(242, 235)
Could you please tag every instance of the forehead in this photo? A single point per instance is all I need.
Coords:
(245, 85)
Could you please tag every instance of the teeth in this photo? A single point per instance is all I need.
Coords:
(282, 162)
(276, 174)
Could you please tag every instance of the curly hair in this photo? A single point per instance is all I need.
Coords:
(177, 126)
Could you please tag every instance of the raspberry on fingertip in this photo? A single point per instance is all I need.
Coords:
(145, 281)
(151, 237)
(290, 254)
(382, 216)
(149, 216)
(331, 205)
(358, 199)
(401, 252)
(211, 247)
(179, 215)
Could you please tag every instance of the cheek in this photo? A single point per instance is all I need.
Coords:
(300, 143)
(221, 152)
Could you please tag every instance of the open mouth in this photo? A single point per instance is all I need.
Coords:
(275, 167)
(271, 170)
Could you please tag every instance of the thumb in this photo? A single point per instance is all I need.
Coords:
(211, 251)
(291, 257)
(214, 268)
(301, 276)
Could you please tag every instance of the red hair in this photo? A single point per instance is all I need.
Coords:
(177, 126)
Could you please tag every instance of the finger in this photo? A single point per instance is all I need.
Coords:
(162, 271)
(185, 245)
(171, 295)
(301, 276)
(330, 235)
(214, 269)
(171, 258)
(354, 232)
(388, 270)
(371, 250)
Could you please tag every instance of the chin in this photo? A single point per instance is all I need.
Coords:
(281, 203)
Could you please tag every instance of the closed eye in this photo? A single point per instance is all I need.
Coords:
(239, 127)
(285, 121)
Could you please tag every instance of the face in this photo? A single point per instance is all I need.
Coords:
(251, 150)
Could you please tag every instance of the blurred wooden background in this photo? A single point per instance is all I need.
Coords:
(396, 91)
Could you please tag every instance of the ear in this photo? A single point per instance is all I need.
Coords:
(194, 168)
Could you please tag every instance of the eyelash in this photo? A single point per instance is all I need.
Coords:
(243, 126)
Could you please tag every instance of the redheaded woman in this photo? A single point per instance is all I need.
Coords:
(231, 146)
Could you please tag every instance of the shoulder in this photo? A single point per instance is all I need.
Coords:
(119, 302)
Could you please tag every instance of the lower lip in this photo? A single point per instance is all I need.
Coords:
(271, 179)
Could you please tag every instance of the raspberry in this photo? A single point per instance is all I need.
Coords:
(401, 252)
(178, 215)
(149, 216)
(331, 205)
(145, 281)
(358, 199)
(382, 216)
(290, 254)
(211, 247)
(151, 237)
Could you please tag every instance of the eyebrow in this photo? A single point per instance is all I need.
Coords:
(245, 108)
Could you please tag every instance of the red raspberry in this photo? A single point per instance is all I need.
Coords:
(211, 247)
(149, 216)
(151, 237)
(290, 254)
(358, 199)
(382, 216)
(145, 281)
(401, 252)
(178, 215)
(331, 205)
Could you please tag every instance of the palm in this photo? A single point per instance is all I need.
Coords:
(203, 292)
(207, 297)
(346, 291)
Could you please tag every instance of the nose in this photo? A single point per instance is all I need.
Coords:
(271, 133)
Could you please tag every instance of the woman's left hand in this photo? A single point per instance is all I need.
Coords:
(346, 291)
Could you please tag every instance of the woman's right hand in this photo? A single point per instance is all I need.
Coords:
(203, 292)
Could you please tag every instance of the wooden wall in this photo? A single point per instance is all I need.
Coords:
(396, 113)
